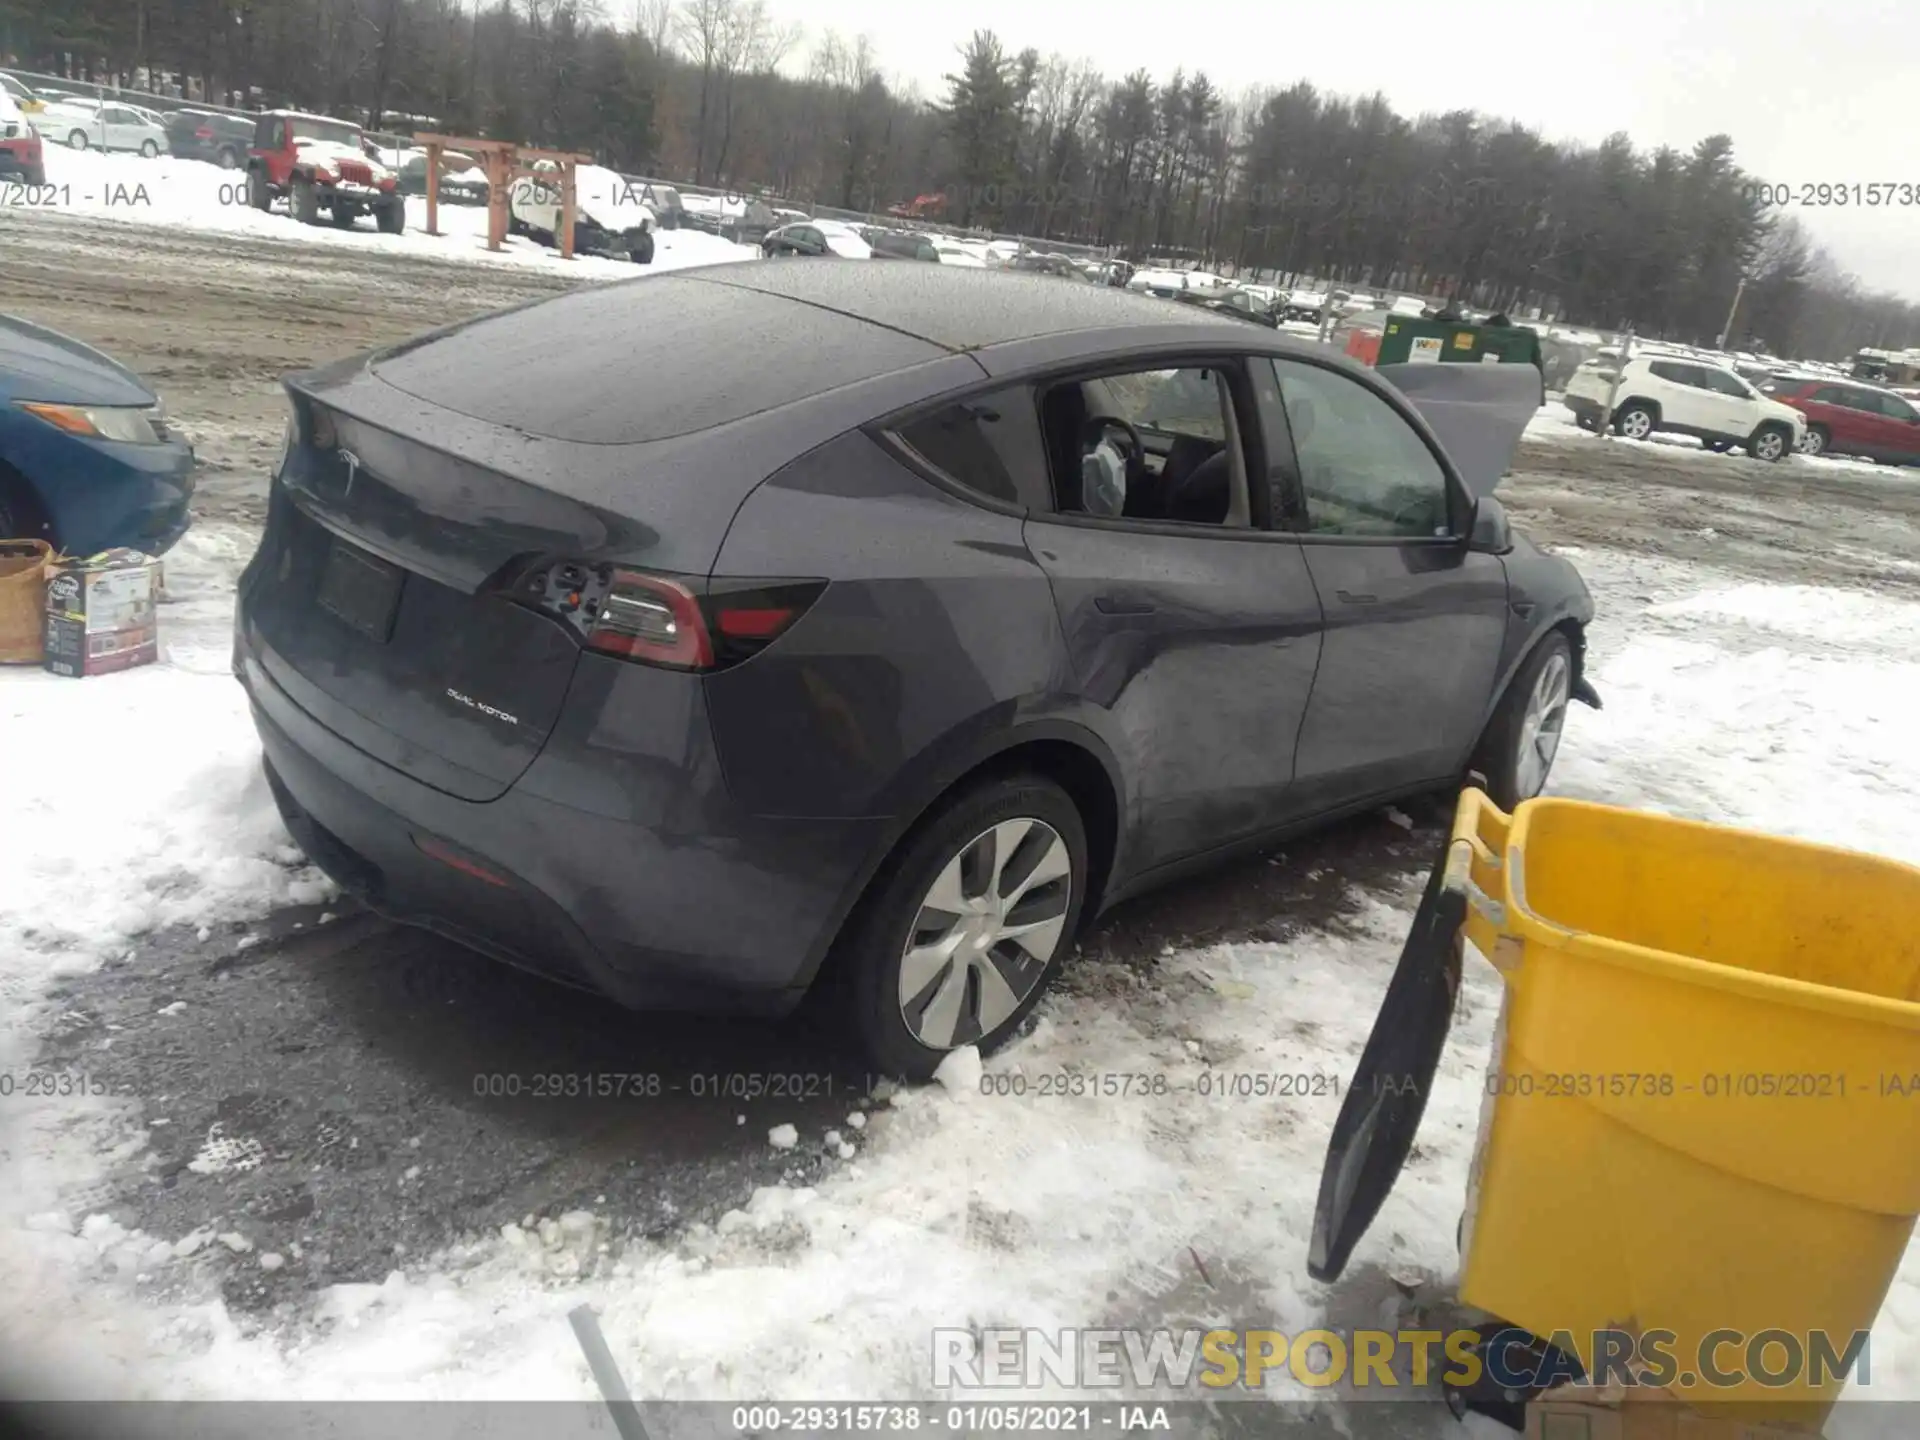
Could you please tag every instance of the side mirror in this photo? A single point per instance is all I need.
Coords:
(1491, 532)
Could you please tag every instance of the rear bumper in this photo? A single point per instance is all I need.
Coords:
(599, 868)
(1584, 410)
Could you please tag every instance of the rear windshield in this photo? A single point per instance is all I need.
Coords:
(645, 360)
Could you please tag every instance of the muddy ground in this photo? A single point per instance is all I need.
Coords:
(344, 1063)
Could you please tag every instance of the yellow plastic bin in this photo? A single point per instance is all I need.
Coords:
(1701, 1110)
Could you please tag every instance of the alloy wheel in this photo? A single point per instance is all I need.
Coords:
(1541, 725)
(1636, 425)
(1812, 443)
(985, 933)
(1770, 446)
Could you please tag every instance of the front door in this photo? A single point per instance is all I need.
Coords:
(1415, 621)
(1896, 429)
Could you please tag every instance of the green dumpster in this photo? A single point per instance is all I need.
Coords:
(1412, 340)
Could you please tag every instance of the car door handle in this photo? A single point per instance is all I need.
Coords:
(1122, 605)
(1349, 597)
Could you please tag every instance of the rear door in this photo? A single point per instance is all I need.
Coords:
(1198, 638)
(1415, 621)
(1685, 402)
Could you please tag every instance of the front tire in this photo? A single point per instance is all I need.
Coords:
(393, 219)
(968, 924)
(643, 249)
(1771, 444)
(306, 201)
(1517, 752)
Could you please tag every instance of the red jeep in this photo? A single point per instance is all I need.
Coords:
(1849, 417)
(316, 164)
(20, 146)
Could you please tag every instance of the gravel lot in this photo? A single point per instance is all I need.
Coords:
(340, 1060)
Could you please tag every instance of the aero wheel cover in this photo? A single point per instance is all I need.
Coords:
(985, 933)
(1541, 725)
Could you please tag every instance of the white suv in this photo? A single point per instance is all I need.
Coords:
(1685, 397)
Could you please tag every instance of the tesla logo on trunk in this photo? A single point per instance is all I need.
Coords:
(352, 462)
(484, 709)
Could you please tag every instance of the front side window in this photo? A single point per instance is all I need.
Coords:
(989, 444)
(1728, 384)
(1364, 471)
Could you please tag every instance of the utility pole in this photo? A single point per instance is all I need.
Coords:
(1605, 425)
(1732, 310)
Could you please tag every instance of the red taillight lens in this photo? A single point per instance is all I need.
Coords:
(677, 622)
(203, 133)
(642, 617)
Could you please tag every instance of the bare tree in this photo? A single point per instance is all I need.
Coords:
(654, 21)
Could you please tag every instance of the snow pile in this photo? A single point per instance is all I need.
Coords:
(978, 1199)
(197, 195)
(145, 804)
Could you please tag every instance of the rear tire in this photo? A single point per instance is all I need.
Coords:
(643, 251)
(35, 178)
(343, 217)
(1635, 420)
(226, 158)
(1517, 752)
(1815, 441)
(259, 192)
(1771, 443)
(149, 149)
(1719, 447)
(988, 981)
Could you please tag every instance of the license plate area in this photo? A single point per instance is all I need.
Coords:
(360, 590)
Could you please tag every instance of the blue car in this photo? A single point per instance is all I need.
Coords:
(87, 461)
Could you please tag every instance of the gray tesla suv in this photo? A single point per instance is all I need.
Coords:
(697, 638)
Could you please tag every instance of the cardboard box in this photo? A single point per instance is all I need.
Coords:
(1579, 1412)
(100, 614)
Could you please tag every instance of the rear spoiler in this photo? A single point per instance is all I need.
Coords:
(1478, 411)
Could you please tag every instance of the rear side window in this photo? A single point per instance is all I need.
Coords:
(989, 444)
(1675, 372)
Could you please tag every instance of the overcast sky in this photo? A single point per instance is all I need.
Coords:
(1822, 93)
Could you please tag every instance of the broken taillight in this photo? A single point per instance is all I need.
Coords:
(676, 622)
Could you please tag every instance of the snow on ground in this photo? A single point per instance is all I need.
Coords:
(196, 195)
(1781, 708)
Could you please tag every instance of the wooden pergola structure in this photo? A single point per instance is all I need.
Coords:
(505, 162)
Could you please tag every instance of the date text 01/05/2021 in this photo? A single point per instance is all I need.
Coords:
(1711, 1085)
